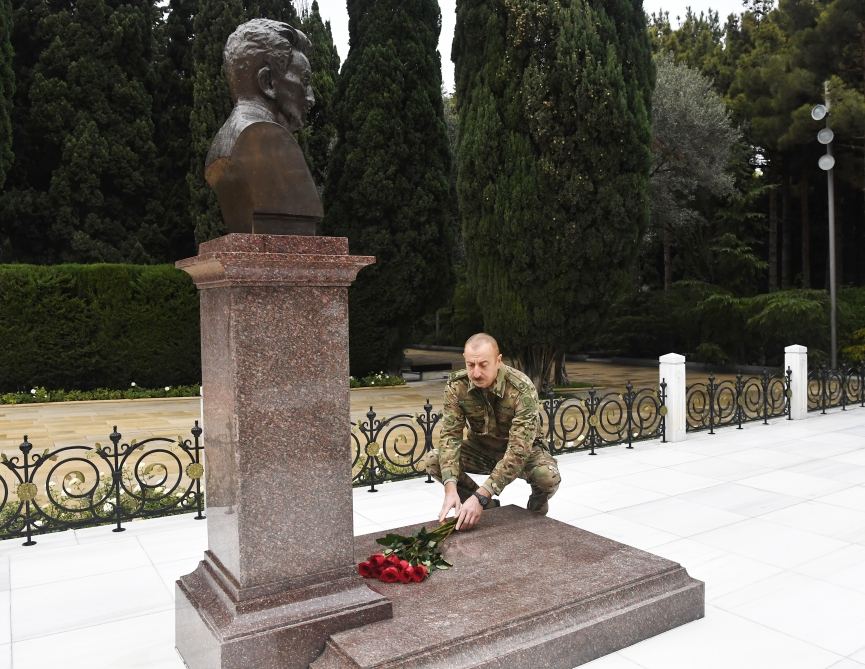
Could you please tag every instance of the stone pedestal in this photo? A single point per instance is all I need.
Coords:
(524, 592)
(279, 573)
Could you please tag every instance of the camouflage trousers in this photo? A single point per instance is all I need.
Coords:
(540, 471)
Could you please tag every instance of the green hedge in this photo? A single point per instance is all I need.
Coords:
(90, 326)
(709, 324)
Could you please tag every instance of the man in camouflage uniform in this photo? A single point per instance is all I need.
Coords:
(500, 406)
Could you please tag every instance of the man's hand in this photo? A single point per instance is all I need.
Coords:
(469, 514)
(452, 501)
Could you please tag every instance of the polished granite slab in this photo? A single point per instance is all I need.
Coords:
(525, 592)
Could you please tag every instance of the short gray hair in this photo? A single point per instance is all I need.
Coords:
(482, 338)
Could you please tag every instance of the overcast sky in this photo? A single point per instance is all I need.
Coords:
(335, 12)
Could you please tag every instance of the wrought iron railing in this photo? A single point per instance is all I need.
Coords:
(80, 486)
(828, 388)
(591, 420)
(391, 449)
(736, 401)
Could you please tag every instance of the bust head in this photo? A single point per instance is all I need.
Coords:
(265, 62)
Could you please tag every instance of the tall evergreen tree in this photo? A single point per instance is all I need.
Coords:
(553, 165)
(387, 187)
(627, 31)
(833, 46)
(319, 136)
(214, 22)
(771, 63)
(767, 87)
(172, 107)
(278, 10)
(89, 182)
(7, 88)
(698, 42)
(24, 207)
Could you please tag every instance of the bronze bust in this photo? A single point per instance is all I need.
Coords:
(255, 164)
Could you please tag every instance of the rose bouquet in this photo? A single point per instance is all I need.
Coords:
(408, 559)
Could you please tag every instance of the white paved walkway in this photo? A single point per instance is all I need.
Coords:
(771, 517)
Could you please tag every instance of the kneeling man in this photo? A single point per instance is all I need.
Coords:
(499, 404)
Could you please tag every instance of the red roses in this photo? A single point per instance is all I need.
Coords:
(408, 559)
(391, 569)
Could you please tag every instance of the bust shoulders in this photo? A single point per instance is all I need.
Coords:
(260, 175)
(245, 118)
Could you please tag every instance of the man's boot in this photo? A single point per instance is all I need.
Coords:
(539, 503)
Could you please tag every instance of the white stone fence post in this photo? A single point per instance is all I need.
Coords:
(671, 369)
(796, 360)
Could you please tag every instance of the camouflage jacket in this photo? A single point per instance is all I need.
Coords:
(503, 418)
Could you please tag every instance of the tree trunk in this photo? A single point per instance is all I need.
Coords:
(536, 362)
(773, 239)
(668, 257)
(786, 235)
(806, 230)
(561, 378)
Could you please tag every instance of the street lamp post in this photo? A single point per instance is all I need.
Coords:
(826, 163)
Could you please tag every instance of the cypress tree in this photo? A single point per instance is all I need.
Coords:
(172, 109)
(89, 89)
(553, 161)
(214, 22)
(278, 10)
(7, 88)
(387, 185)
(84, 188)
(319, 135)
(24, 207)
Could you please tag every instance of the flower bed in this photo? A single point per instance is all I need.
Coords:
(379, 379)
(134, 392)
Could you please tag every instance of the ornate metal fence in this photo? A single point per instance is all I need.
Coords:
(80, 486)
(829, 388)
(592, 420)
(392, 448)
(736, 401)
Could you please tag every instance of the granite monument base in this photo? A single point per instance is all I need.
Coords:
(524, 592)
(219, 627)
(279, 575)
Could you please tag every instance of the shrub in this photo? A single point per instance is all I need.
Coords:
(91, 326)
(855, 352)
(712, 354)
(711, 324)
(379, 379)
